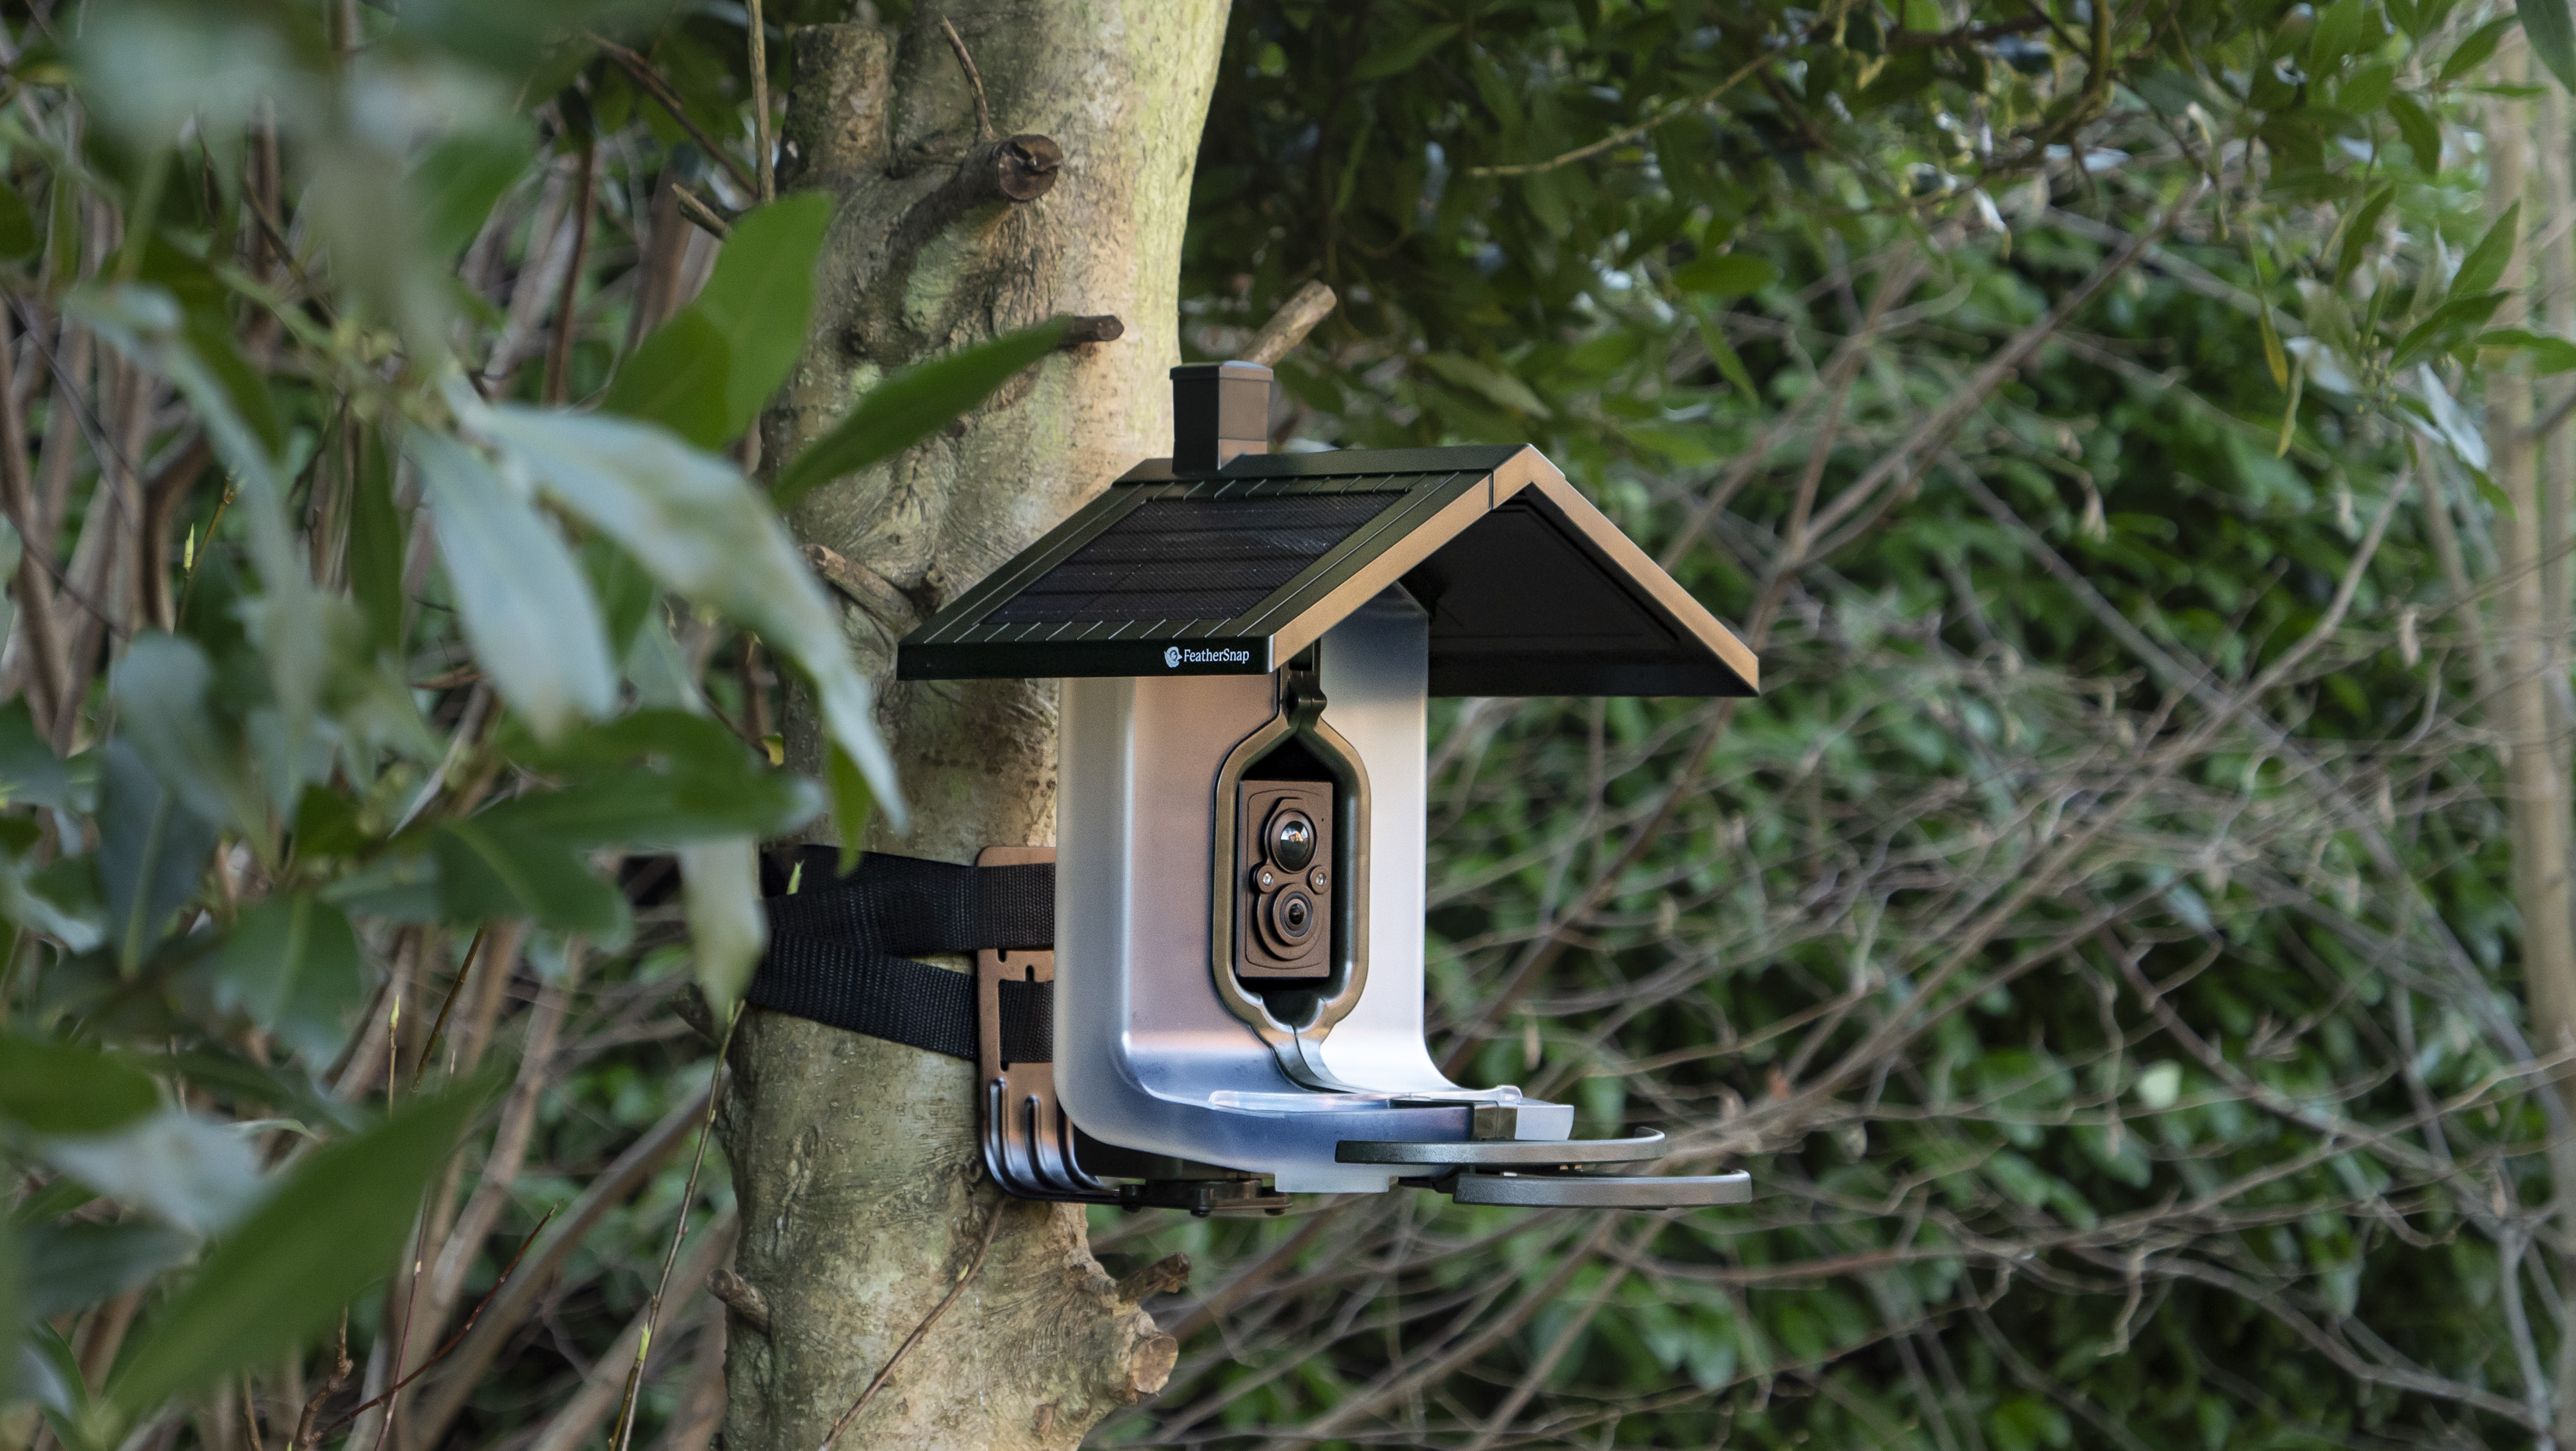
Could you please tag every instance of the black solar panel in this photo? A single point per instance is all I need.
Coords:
(1191, 559)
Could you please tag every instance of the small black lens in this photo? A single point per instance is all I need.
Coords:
(1292, 840)
(1294, 916)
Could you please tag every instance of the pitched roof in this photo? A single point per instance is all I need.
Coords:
(1531, 590)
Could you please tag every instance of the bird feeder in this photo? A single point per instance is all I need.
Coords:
(1247, 644)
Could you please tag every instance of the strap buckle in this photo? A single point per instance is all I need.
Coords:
(1028, 1141)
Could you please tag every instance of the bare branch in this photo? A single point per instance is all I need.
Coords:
(1289, 325)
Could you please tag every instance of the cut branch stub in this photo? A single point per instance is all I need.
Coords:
(1017, 170)
(1024, 167)
(741, 1297)
(1100, 328)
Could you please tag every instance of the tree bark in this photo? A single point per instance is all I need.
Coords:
(863, 1196)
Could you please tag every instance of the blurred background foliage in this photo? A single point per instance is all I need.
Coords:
(2123, 429)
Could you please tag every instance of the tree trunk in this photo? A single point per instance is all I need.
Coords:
(864, 1201)
(2531, 629)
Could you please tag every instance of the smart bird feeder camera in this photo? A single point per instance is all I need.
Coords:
(1247, 643)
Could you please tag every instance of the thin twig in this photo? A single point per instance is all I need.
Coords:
(161, 500)
(423, 1368)
(1626, 134)
(977, 1263)
(250, 1415)
(559, 347)
(38, 628)
(640, 71)
(759, 115)
(341, 1365)
(680, 1225)
(411, 1287)
(695, 208)
(974, 83)
(446, 1399)
(464, 970)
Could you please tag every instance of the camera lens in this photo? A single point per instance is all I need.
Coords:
(1292, 915)
(1292, 839)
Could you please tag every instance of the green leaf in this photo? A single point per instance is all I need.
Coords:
(2027, 1423)
(50, 1087)
(720, 888)
(2473, 52)
(2451, 322)
(625, 591)
(1729, 274)
(210, 335)
(703, 532)
(761, 296)
(700, 801)
(326, 825)
(378, 544)
(2421, 133)
(1404, 55)
(19, 238)
(1497, 387)
(292, 964)
(677, 378)
(74, 1266)
(30, 772)
(2548, 354)
(399, 886)
(159, 690)
(1730, 367)
(2484, 266)
(2339, 32)
(850, 802)
(486, 875)
(227, 1077)
(705, 374)
(2361, 231)
(460, 180)
(152, 851)
(523, 600)
(146, 324)
(2367, 90)
(911, 406)
(2275, 358)
(60, 901)
(330, 1229)
(669, 739)
(48, 1373)
(191, 1171)
(2547, 25)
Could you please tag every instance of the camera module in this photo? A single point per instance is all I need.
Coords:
(1283, 914)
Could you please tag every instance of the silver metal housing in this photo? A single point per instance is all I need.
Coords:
(1155, 1049)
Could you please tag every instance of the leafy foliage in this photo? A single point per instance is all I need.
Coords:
(2097, 942)
(396, 641)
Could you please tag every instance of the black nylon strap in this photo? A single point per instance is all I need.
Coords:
(835, 945)
(905, 904)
